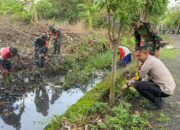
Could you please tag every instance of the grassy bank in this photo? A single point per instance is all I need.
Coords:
(78, 112)
(80, 72)
(82, 67)
(92, 110)
(169, 53)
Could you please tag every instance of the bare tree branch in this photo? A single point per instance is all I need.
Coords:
(113, 28)
(119, 32)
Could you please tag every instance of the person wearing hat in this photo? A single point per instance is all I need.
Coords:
(57, 37)
(40, 49)
(144, 31)
(6, 53)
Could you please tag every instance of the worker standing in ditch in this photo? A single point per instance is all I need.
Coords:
(144, 31)
(6, 53)
(41, 50)
(57, 38)
(155, 79)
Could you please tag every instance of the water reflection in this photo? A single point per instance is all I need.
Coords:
(33, 110)
(55, 95)
(11, 118)
(41, 101)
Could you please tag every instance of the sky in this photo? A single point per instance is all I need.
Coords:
(172, 3)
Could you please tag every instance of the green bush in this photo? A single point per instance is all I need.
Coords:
(81, 72)
(129, 42)
(123, 118)
(45, 9)
(22, 16)
(64, 10)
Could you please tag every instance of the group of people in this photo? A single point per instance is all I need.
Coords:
(41, 45)
(145, 35)
(155, 81)
(40, 50)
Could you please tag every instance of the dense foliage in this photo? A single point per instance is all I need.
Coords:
(172, 18)
(15, 8)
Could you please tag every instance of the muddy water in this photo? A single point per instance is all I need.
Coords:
(35, 109)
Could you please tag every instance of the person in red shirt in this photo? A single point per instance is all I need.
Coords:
(125, 55)
(6, 53)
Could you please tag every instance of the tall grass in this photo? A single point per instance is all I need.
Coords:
(82, 71)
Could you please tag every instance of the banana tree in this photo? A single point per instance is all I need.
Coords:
(88, 13)
(31, 9)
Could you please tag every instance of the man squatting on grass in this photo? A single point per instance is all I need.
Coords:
(156, 80)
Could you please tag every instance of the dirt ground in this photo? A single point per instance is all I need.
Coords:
(172, 104)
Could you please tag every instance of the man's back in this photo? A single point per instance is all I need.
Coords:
(5, 53)
(158, 73)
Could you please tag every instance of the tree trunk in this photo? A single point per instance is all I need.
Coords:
(34, 18)
(178, 29)
(144, 13)
(112, 87)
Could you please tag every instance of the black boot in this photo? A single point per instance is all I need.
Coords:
(157, 104)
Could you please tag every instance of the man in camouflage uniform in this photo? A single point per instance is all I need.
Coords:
(57, 37)
(144, 30)
(40, 49)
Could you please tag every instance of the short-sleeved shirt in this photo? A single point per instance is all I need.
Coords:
(58, 35)
(124, 51)
(5, 53)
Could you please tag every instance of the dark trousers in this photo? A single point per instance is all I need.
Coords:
(6, 64)
(149, 90)
(56, 46)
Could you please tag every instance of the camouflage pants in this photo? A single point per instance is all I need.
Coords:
(40, 53)
(153, 44)
(56, 46)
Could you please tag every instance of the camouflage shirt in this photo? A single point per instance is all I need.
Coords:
(148, 34)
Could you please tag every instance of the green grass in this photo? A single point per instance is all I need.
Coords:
(169, 53)
(81, 72)
(166, 38)
(78, 112)
(129, 42)
(163, 118)
(121, 116)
